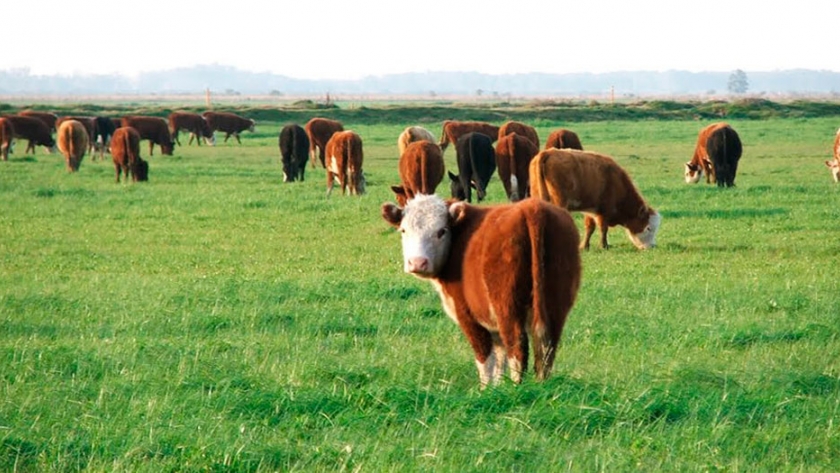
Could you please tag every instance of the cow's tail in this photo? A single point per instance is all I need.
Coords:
(537, 178)
(444, 138)
(514, 179)
(479, 186)
(543, 332)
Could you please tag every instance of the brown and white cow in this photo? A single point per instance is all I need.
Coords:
(320, 130)
(294, 151)
(596, 185)
(452, 130)
(503, 272)
(344, 157)
(563, 138)
(48, 118)
(701, 162)
(73, 142)
(125, 151)
(513, 155)
(35, 131)
(834, 164)
(7, 134)
(192, 122)
(154, 129)
(229, 123)
(412, 134)
(421, 170)
(724, 148)
(522, 129)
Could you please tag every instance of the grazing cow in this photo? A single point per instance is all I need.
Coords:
(452, 130)
(125, 151)
(48, 118)
(563, 138)
(192, 122)
(154, 129)
(344, 163)
(476, 164)
(7, 133)
(700, 162)
(597, 186)
(834, 164)
(230, 123)
(412, 134)
(33, 130)
(503, 272)
(320, 130)
(522, 129)
(294, 151)
(86, 121)
(724, 148)
(421, 170)
(73, 141)
(513, 155)
(103, 130)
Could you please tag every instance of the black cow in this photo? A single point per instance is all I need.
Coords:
(103, 130)
(294, 149)
(476, 164)
(724, 148)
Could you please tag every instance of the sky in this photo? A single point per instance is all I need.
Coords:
(327, 39)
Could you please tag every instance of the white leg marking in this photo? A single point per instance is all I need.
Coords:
(515, 370)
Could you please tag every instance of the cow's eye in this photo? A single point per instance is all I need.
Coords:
(441, 233)
(402, 230)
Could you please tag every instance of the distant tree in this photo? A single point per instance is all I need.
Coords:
(738, 83)
(479, 92)
(275, 93)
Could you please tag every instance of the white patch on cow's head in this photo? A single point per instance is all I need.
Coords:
(426, 235)
(212, 140)
(647, 237)
(692, 175)
(834, 166)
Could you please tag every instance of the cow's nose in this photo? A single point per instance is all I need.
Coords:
(418, 264)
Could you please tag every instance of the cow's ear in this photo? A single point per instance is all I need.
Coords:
(457, 212)
(399, 190)
(452, 177)
(392, 214)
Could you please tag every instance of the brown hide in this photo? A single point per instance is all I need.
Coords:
(33, 130)
(192, 122)
(154, 129)
(73, 142)
(592, 183)
(522, 129)
(320, 130)
(700, 161)
(48, 118)
(125, 151)
(452, 130)
(563, 138)
(7, 133)
(421, 170)
(344, 158)
(229, 123)
(513, 155)
(412, 134)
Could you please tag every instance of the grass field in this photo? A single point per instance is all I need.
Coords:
(217, 319)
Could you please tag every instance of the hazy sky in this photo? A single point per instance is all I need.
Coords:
(326, 39)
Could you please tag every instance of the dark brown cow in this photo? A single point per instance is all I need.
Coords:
(724, 148)
(452, 130)
(103, 130)
(73, 142)
(344, 157)
(421, 170)
(513, 155)
(563, 138)
(503, 273)
(192, 122)
(700, 162)
(48, 118)
(522, 129)
(154, 129)
(33, 130)
(7, 134)
(476, 164)
(125, 151)
(596, 185)
(294, 151)
(229, 123)
(412, 134)
(320, 130)
(834, 164)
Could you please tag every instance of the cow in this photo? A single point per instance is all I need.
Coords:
(125, 152)
(563, 138)
(230, 123)
(596, 185)
(48, 118)
(476, 164)
(412, 134)
(87, 121)
(421, 170)
(73, 142)
(344, 157)
(700, 162)
(294, 151)
(34, 131)
(320, 130)
(452, 130)
(724, 148)
(520, 129)
(502, 272)
(154, 129)
(513, 155)
(192, 122)
(103, 130)
(7, 134)
(834, 164)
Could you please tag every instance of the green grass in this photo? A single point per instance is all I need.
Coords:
(217, 319)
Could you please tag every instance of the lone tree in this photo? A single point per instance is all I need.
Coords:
(738, 83)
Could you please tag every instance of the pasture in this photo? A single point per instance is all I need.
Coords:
(217, 319)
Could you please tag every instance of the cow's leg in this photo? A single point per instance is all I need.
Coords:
(589, 229)
(322, 156)
(312, 154)
(30, 145)
(330, 182)
(117, 172)
(482, 344)
(192, 135)
(175, 134)
(604, 229)
(151, 147)
(227, 135)
(513, 338)
(237, 138)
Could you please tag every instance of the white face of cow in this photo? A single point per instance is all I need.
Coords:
(426, 233)
(692, 176)
(647, 237)
(212, 140)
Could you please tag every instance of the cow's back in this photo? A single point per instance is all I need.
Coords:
(574, 179)
(421, 167)
(563, 138)
(521, 129)
(73, 141)
(724, 149)
(513, 156)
